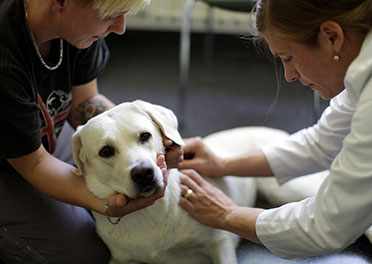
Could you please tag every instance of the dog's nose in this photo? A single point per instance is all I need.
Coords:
(143, 173)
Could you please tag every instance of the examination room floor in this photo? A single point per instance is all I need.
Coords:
(230, 85)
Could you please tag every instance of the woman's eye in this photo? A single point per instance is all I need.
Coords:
(107, 152)
(144, 137)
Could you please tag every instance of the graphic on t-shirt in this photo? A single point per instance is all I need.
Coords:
(57, 102)
(53, 115)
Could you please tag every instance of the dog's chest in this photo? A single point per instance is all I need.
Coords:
(160, 245)
(157, 232)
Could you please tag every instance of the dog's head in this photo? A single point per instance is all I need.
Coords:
(116, 150)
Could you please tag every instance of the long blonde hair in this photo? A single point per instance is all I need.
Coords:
(111, 7)
(299, 20)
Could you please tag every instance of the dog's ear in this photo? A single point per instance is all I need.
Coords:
(78, 152)
(164, 118)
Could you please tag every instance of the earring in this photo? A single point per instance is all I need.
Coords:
(336, 58)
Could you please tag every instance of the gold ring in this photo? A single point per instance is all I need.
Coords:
(188, 193)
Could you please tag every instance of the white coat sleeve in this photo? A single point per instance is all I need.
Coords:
(341, 210)
(312, 149)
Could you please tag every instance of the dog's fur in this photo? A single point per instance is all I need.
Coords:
(116, 152)
(164, 232)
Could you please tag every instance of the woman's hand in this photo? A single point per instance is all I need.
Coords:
(173, 154)
(207, 204)
(120, 205)
(199, 157)
(210, 206)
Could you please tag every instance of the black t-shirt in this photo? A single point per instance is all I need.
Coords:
(35, 100)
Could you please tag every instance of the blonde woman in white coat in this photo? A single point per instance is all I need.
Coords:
(329, 49)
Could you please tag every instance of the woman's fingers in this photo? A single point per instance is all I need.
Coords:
(160, 161)
(173, 154)
(163, 167)
(192, 145)
(189, 181)
(194, 176)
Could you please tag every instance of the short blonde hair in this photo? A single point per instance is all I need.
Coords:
(111, 7)
(300, 20)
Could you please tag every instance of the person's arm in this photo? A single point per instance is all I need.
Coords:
(55, 179)
(307, 151)
(312, 149)
(253, 163)
(199, 157)
(87, 103)
(319, 225)
(209, 205)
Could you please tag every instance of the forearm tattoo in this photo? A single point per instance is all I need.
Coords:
(89, 109)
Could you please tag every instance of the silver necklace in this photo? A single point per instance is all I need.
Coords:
(51, 68)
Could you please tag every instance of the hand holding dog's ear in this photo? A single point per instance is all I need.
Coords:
(173, 154)
(199, 157)
(119, 205)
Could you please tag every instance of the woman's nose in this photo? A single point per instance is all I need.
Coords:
(290, 73)
(118, 26)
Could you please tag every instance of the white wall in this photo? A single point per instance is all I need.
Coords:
(167, 15)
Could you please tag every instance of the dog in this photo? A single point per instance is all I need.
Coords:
(116, 152)
(108, 149)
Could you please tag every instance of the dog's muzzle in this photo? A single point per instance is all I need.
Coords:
(144, 176)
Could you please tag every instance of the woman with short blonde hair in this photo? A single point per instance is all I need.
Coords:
(111, 7)
(51, 54)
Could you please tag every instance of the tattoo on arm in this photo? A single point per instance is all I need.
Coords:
(89, 109)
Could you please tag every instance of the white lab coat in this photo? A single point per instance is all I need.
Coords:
(342, 142)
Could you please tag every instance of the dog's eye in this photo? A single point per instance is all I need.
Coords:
(107, 152)
(145, 136)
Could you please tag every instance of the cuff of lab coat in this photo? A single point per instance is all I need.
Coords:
(276, 165)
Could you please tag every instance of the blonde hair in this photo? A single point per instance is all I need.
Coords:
(111, 7)
(299, 20)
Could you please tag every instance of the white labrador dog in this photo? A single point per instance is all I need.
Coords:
(116, 152)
